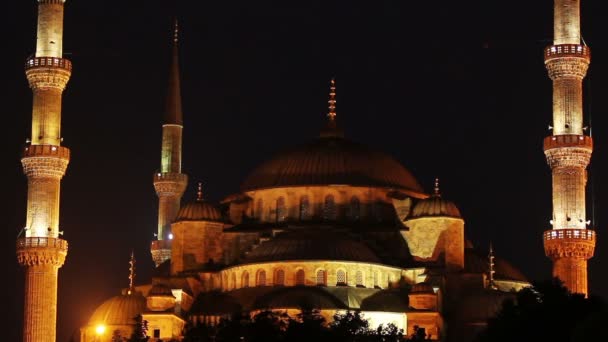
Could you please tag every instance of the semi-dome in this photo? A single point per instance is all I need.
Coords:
(119, 310)
(478, 307)
(435, 205)
(332, 160)
(311, 246)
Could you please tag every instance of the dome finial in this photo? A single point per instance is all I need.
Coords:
(436, 188)
(331, 128)
(199, 192)
(131, 274)
(331, 114)
(491, 284)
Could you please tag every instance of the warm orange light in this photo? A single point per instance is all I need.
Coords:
(100, 329)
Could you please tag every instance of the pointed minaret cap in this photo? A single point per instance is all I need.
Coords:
(131, 274)
(173, 113)
(331, 128)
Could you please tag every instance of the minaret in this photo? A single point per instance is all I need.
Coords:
(40, 251)
(569, 244)
(170, 183)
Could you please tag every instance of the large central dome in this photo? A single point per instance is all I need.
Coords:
(332, 161)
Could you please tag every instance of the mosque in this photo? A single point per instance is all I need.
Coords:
(329, 224)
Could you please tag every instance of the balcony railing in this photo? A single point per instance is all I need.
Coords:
(567, 50)
(44, 242)
(56, 62)
(567, 140)
(160, 244)
(570, 234)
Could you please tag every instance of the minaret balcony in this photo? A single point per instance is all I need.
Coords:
(578, 243)
(38, 251)
(567, 140)
(46, 151)
(567, 50)
(48, 62)
(160, 244)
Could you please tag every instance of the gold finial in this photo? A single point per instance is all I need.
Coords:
(199, 192)
(331, 114)
(175, 31)
(436, 189)
(131, 274)
(491, 284)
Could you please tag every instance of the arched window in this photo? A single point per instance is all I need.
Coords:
(359, 279)
(305, 213)
(300, 279)
(279, 278)
(260, 278)
(354, 212)
(233, 281)
(281, 211)
(376, 285)
(341, 278)
(321, 277)
(259, 209)
(245, 279)
(329, 208)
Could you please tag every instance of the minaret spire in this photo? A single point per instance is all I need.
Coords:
(568, 150)
(41, 252)
(170, 182)
(173, 113)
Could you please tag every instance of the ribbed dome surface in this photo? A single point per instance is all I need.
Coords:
(311, 246)
(330, 161)
(119, 310)
(199, 210)
(435, 206)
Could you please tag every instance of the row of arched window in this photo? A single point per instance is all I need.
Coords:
(329, 211)
(300, 278)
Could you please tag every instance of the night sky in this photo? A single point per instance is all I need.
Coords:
(451, 89)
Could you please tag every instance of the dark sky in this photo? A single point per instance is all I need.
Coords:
(452, 89)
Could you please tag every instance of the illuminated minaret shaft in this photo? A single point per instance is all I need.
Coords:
(170, 183)
(41, 252)
(569, 244)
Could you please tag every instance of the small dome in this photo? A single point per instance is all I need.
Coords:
(422, 288)
(311, 246)
(199, 210)
(119, 310)
(160, 290)
(330, 161)
(435, 206)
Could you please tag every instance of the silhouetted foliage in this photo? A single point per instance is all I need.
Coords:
(140, 333)
(117, 336)
(548, 312)
(307, 326)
